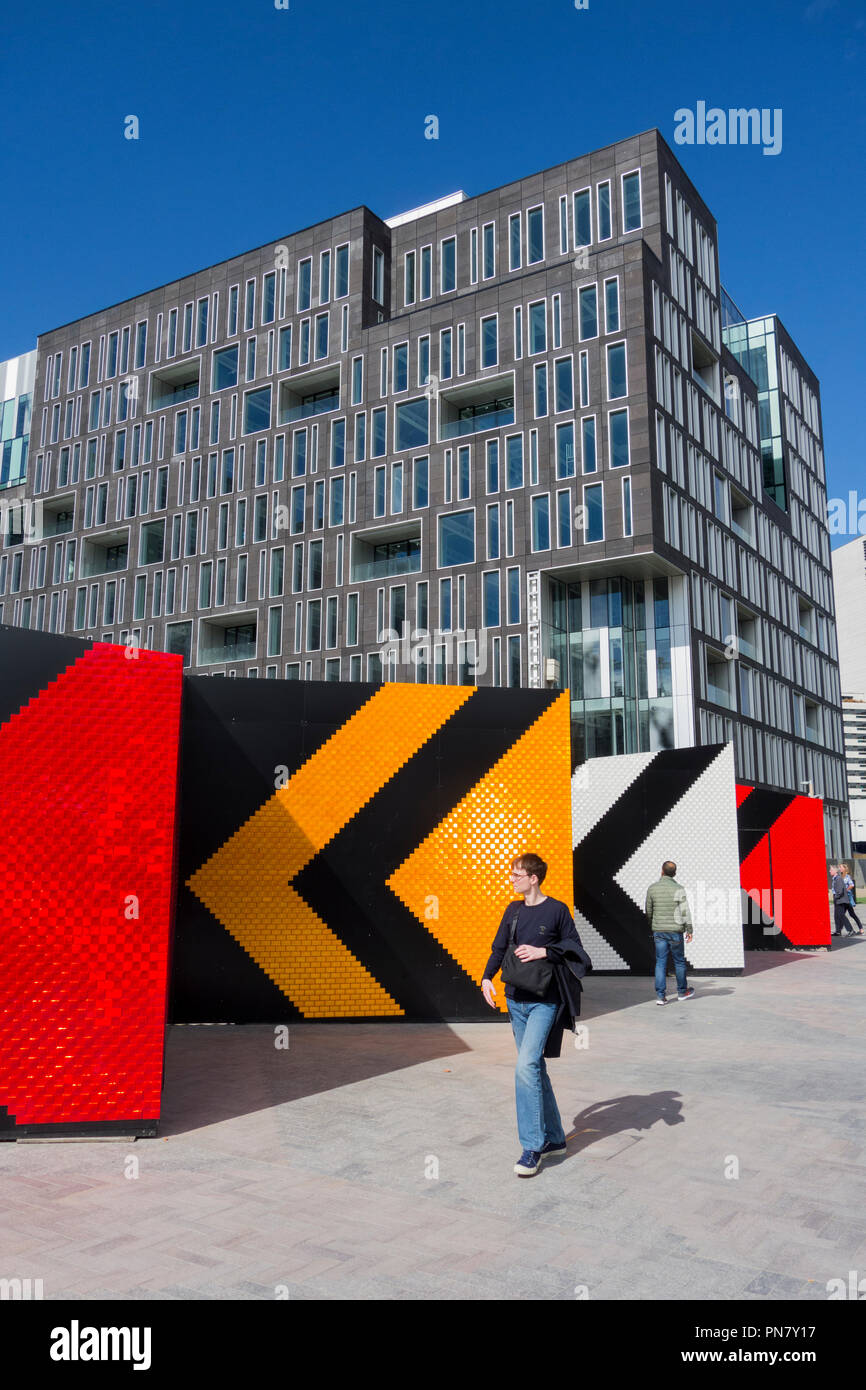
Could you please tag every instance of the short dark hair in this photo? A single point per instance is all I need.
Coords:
(669, 868)
(531, 864)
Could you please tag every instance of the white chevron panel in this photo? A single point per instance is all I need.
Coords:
(700, 835)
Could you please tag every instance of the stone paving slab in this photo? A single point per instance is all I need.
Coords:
(717, 1150)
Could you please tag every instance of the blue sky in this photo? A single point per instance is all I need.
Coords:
(256, 121)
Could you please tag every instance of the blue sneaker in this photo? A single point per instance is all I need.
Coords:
(528, 1163)
(551, 1148)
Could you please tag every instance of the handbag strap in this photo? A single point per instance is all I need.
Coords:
(512, 931)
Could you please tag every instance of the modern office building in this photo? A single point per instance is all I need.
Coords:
(516, 439)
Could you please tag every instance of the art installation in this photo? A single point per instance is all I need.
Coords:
(325, 851)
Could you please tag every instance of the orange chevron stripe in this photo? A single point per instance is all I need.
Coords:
(244, 884)
(522, 804)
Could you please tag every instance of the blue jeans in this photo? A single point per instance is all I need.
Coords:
(670, 941)
(538, 1119)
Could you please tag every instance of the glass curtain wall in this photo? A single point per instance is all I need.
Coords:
(612, 639)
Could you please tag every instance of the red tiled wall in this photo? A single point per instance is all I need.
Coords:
(88, 782)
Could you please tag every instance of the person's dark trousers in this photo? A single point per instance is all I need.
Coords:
(839, 911)
(850, 909)
(670, 941)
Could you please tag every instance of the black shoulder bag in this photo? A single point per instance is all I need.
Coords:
(533, 976)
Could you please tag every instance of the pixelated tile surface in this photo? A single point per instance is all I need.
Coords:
(88, 781)
(460, 870)
(297, 950)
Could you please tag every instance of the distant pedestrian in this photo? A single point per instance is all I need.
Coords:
(541, 972)
(840, 900)
(668, 914)
(852, 901)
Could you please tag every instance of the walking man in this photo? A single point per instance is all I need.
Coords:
(543, 929)
(849, 889)
(668, 914)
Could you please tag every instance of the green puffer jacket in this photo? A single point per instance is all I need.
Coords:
(666, 906)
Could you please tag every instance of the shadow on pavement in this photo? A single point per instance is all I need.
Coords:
(607, 1118)
(221, 1072)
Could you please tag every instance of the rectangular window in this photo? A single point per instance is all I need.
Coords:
(489, 341)
(617, 377)
(314, 569)
(534, 235)
(448, 252)
(538, 327)
(423, 360)
(603, 211)
(426, 272)
(341, 285)
(378, 285)
(584, 379)
(588, 312)
(492, 466)
(518, 332)
(490, 582)
(321, 335)
(379, 486)
(512, 589)
(488, 251)
(409, 277)
(582, 219)
(250, 306)
(464, 473)
(456, 531)
(611, 306)
(473, 256)
(631, 207)
(257, 410)
(626, 507)
(563, 385)
(352, 620)
(541, 522)
(411, 425)
(445, 354)
(396, 487)
(540, 390)
(269, 297)
(401, 367)
(232, 317)
(514, 461)
(617, 426)
(587, 426)
(305, 285)
(325, 277)
(360, 450)
(563, 519)
(420, 482)
(201, 322)
(565, 450)
(378, 431)
(338, 443)
(593, 509)
(284, 359)
(515, 242)
(493, 531)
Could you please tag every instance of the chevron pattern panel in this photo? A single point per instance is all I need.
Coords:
(631, 813)
(783, 869)
(345, 848)
(88, 782)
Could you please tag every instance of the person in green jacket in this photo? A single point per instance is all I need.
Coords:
(668, 914)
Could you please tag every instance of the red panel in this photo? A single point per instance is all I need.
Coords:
(755, 875)
(800, 873)
(88, 781)
(742, 793)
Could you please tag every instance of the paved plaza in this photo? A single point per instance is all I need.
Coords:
(719, 1152)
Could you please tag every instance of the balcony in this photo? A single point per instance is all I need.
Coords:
(170, 386)
(386, 551)
(482, 405)
(312, 393)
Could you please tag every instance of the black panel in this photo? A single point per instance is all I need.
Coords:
(31, 661)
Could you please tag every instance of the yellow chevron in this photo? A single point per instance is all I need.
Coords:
(245, 884)
(461, 870)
